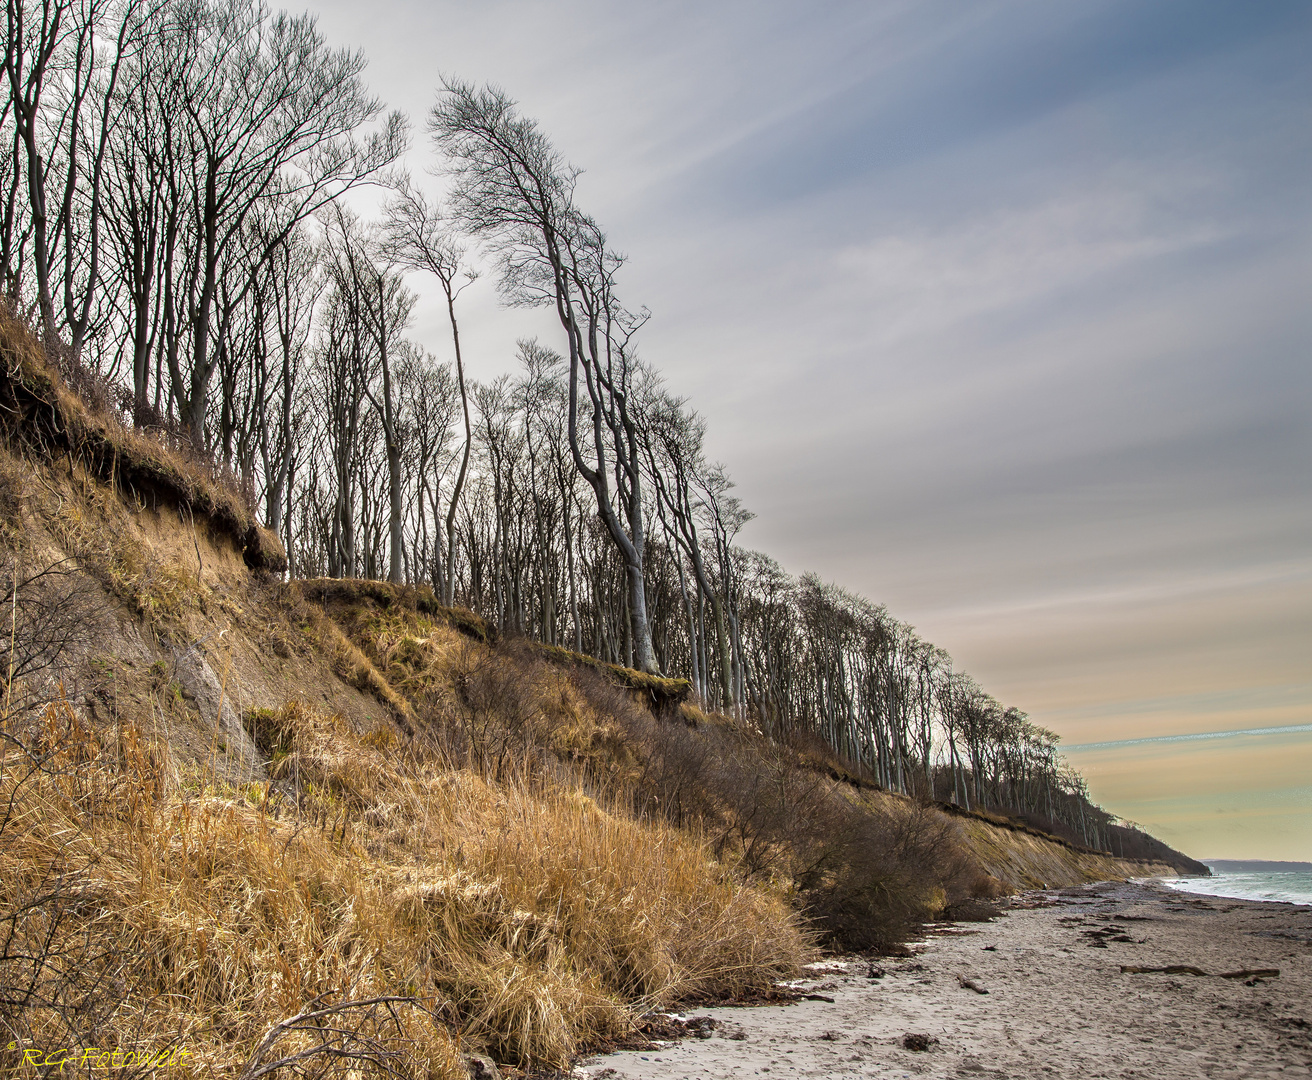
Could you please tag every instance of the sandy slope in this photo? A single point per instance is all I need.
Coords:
(1058, 1004)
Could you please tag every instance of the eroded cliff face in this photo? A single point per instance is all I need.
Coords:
(278, 815)
(1021, 860)
(1015, 857)
(160, 620)
(171, 613)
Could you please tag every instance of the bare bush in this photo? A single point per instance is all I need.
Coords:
(44, 612)
(878, 871)
(499, 700)
(353, 1039)
(866, 867)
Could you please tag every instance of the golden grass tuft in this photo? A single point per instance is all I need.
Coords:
(338, 593)
(353, 666)
(524, 918)
(91, 526)
(652, 690)
(490, 704)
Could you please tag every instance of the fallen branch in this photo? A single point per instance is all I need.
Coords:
(350, 1044)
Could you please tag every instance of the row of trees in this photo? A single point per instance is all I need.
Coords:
(172, 219)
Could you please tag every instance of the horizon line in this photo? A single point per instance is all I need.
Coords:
(1287, 730)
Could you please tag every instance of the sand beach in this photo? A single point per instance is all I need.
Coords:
(1042, 991)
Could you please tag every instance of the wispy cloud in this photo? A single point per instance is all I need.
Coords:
(997, 312)
(1292, 729)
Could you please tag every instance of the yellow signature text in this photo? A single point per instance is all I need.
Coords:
(94, 1057)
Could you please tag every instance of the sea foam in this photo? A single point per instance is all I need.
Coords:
(1282, 886)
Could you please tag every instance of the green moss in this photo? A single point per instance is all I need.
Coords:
(656, 690)
(102, 667)
(386, 596)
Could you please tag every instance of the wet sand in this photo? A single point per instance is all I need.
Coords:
(1057, 1004)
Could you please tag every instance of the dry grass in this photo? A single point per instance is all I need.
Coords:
(659, 693)
(92, 526)
(353, 666)
(337, 593)
(13, 490)
(351, 597)
(523, 917)
(863, 867)
(491, 706)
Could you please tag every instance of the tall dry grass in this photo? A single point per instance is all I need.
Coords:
(492, 707)
(863, 869)
(516, 916)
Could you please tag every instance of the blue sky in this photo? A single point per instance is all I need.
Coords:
(998, 312)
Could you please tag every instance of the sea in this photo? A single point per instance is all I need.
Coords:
(1289, 883)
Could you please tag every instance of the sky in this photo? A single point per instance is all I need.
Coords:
(999, 313)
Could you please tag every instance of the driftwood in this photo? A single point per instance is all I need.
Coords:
(1189, 969)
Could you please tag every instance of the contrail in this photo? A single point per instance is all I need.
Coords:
(1190, 738)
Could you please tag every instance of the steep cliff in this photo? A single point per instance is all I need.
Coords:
(234, 799)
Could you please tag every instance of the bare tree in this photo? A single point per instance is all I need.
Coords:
(513, 190)
(268, 115)
(62, 92)
(428, 405)
(286, 294)
(380, 305)
(672, 438)
(418, 237)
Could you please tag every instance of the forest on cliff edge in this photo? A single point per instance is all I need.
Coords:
(174, 223)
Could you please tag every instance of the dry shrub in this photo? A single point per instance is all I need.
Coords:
(816, 755)
(507, 706)
(526, 918)
(864, 868)
(500, 707)
(49, 972)
(49, 607)
(878, 870)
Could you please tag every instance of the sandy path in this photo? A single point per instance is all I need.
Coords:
(1057, 1005)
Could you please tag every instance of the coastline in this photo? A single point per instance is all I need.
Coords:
(1267, 887)
(1039, 992)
